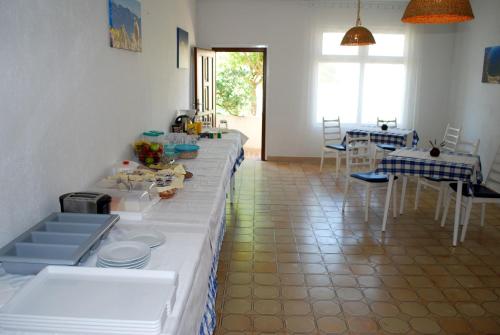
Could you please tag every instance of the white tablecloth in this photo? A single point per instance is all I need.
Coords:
(191, 222)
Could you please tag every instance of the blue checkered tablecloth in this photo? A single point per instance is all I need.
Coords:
(239, 161)
(417, 162)
(385, 137)
(209, 320)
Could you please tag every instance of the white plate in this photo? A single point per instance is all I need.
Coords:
(99, 260)
(152, 238)
(124, 252)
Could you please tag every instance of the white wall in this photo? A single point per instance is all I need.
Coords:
(287, 27)
(474, 105)
(71, 105)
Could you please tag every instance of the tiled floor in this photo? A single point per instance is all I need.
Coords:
(291, 263)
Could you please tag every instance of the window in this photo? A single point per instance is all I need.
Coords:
(361, 84)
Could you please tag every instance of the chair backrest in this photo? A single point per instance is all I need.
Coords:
(389, 123)
(358, 152)
(331, 131)
(468, 147)
(493, 179)
(451, 138)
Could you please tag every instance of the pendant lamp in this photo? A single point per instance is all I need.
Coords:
(438, 11)
(358, 35)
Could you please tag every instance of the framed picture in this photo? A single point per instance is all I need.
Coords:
(182, 49)
(491, 67)
(125, 31)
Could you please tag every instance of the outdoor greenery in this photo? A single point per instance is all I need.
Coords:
(238, 76)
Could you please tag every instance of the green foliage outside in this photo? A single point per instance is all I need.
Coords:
(238, 77)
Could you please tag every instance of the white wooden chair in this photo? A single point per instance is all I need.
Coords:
(358, 154)
(451, 142)
(389, 123)
(332, 143)
(451, 138)
(383, 147)
(486, 193)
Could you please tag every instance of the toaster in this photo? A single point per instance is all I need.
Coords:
(85, 202)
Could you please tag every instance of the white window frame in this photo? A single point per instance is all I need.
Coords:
(362, 58)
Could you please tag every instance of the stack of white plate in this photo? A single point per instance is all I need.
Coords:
(124, 254)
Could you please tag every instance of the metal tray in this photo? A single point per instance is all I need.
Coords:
(59, 239)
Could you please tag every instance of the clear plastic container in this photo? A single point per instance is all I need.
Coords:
(130, 200)
(149, 149)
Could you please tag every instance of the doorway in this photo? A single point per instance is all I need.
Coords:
(240, 97)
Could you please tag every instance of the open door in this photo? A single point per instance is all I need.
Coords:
(204, 67)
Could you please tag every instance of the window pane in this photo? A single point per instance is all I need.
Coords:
(338, 85)
(388, 45)
(383, 92)
(331, 45)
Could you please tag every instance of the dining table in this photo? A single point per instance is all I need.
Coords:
(463, 168)
(193, 222)
(398, 137)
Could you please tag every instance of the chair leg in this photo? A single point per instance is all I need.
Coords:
(367, 202)
(337, 165)
(387, 201)
(439, 201)
(346, 191)
(466, 219)
(322, 159)
(403, 195)
(417, 194)
(446, 207)
(395, 200)
(483, 214)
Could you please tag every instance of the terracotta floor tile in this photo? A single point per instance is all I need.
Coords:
(425, 325)
(267, 323)
(394, 326)
(384, 309)
(293, 263)
(237, 306)
(413, 309)
(267, 307)
(349, 294)
(300, 324)
(455, 325)
(325, 307)
(236, 322)
(266, 292)
(362, 325)
(355, 308)
(294, 292)
(331, 325)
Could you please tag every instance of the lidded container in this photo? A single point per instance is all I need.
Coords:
(149, 149)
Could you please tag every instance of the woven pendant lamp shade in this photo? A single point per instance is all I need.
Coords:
(358, 35)
(438, 11)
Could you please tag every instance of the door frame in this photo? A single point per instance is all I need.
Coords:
(264, 87)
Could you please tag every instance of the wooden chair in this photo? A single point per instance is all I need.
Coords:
(451, 140)
(332, 143)
(383, 147)
(486, 193)
(358, 154)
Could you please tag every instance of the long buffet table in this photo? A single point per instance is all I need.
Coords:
(194, 223)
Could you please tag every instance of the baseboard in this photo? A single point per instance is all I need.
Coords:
(293, 159)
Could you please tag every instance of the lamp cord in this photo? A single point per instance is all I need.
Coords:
(358, 21)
